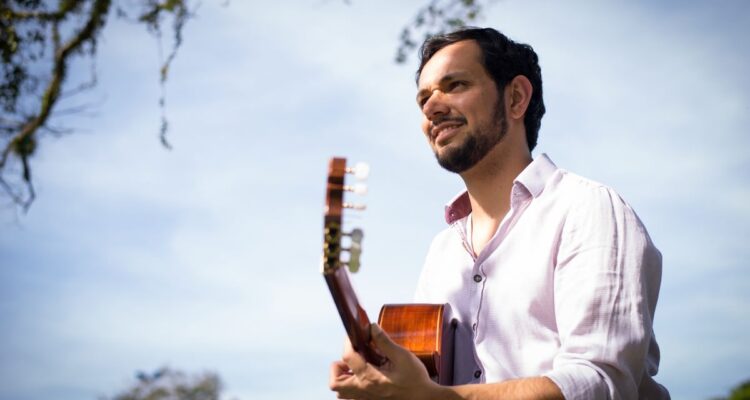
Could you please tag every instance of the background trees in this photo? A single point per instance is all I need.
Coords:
(169, 384)
(739, 392)
(39, 41)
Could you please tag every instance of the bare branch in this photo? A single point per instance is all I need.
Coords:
(77, 110)
(84, 86)
(57, 131)
(181, 14)
(18, 198)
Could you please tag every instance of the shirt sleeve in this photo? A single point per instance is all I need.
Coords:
(606, 284)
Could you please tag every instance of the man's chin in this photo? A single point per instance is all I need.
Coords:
(453, 161)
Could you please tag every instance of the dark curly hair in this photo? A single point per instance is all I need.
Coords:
(503, 59)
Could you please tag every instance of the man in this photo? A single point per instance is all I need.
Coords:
(552, 277)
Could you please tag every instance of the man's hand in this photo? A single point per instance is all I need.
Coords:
(403, 376)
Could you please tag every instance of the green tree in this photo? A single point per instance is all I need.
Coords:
(739, 392)
(40, 38)
(168, 384)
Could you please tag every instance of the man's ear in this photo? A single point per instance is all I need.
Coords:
(519, 92)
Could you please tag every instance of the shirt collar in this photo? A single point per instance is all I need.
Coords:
(534, 177)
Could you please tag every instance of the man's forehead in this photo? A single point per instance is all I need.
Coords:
(455, 59)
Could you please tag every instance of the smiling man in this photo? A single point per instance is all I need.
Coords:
(552, 277)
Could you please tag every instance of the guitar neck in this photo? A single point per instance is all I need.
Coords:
(353, 316)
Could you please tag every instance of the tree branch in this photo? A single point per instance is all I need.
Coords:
(47, 16)
(23, 143)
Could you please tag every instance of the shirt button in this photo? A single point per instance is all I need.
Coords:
(474, 327)
(477, 278)
(477, 373)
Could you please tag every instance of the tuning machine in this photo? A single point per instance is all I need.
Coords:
(357, 188)
(360, 171)
(354, 249)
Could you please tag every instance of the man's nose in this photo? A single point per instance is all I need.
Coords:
(435, 106)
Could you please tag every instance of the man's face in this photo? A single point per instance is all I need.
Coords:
(464, 116)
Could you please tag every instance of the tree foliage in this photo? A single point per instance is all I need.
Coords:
(39, 39)
(437, 17)
(168, 384)
(739, 392)
(38, 42)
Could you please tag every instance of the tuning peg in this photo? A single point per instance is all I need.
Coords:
(355, 249)
(356, 235)
(354, 206)
(359, 188)
(360, 170)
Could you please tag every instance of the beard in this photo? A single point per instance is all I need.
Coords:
(476, 145)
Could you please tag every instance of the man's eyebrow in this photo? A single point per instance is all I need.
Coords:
(449, 77)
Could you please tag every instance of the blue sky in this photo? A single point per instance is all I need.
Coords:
(206, 257)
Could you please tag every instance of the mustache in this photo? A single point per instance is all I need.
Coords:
(443, 119)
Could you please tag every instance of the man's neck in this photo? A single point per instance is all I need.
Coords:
(489, 184)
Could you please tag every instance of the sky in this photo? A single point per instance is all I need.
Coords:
(206, 257)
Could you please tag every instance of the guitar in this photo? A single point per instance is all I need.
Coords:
(425, 329)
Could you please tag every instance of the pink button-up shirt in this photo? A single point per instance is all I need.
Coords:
(566, 288)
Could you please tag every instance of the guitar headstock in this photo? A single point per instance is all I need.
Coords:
(335, 241)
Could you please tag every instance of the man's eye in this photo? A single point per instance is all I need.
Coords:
(456, 84)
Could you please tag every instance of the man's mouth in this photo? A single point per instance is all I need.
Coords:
(443, 128)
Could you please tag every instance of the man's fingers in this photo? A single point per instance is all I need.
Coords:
(339, 368)
(354, 360)
(339, 373)
(385, 344)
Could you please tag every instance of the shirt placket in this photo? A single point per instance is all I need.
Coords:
(479, 274)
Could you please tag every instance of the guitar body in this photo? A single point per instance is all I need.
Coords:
(424, 329)
(427, 331)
